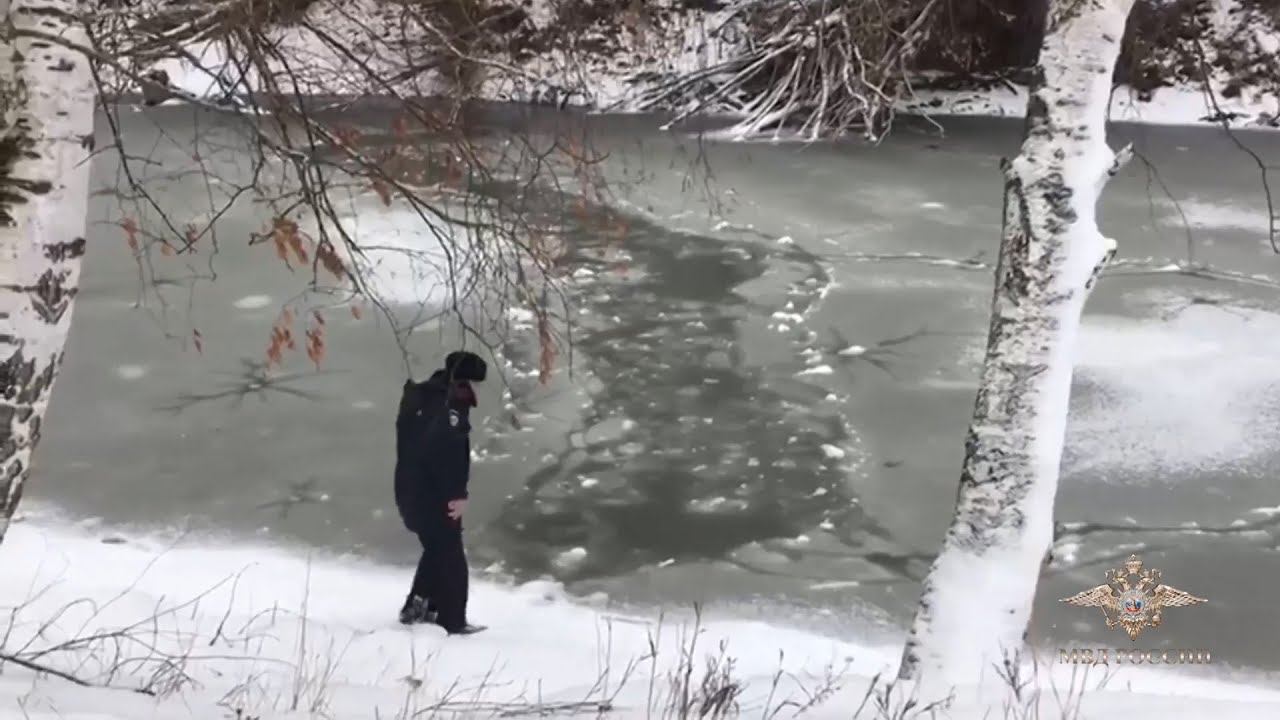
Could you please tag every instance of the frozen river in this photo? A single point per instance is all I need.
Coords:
(767, 410)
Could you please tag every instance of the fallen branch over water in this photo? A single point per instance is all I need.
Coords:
(825, 68)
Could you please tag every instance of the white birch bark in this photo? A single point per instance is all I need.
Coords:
(977, 598)
(46, 101)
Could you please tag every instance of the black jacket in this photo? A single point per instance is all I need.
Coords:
(433, 449)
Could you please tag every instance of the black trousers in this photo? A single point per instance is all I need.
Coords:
(442, 575)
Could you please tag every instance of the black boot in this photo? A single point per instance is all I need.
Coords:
(417, 610)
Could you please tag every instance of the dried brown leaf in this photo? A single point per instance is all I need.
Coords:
(330, 261)
(130, 227)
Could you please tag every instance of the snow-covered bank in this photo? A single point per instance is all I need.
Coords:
(618, 59)
(1183, 105)
(1231, 80)
(275, 633)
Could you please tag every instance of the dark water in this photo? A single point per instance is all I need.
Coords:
(687, 449)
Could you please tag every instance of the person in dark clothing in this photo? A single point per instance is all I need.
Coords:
(433, 465)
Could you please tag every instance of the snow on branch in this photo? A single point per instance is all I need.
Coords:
(819, 68)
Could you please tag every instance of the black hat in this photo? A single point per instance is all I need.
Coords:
(463, 365)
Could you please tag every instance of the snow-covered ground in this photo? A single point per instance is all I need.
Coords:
(1242, 35)
(223, 630)
(365, 39)
(632, 53)
(1167, 106)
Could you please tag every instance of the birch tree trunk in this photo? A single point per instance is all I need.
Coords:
(46, 102)
(977, 598)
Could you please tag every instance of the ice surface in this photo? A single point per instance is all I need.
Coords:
(1207, 214)
(402, 257)
(237, 613)
(1147, 373)
(1182, 388)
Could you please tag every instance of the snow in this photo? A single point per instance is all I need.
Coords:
(254, 626)
(252, 302)
(1167, 106)
(1255, 44)
(1134, 414)
(205, 74)
(610, 79)
(816, 370)
(1204, 214)
(571, 558)
(402, 260)
(131, 372)
(379, 42)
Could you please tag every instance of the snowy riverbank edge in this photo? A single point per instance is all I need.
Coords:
(279, 632)
(613, 80)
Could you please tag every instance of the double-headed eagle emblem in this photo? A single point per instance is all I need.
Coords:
(1133, 598)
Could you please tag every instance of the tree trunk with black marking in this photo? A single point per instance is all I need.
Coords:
(977, 598)
(46, 104)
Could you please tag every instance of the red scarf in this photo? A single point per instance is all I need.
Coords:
(463, 392)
